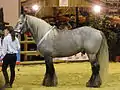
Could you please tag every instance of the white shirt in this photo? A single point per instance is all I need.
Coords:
(9, 46)
(0, 44)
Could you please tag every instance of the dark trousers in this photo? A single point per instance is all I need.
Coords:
(9, 59)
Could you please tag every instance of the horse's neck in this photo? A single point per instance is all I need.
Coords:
(38, 27)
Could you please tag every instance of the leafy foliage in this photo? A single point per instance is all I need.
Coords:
(103, 24)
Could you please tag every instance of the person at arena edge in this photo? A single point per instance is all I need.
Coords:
(1, 37)
(10, 47)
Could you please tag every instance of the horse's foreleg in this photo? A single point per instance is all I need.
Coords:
(95, 80)
(50, 78)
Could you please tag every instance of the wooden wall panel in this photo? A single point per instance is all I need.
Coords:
(71, 3)
(51, 3)
(11, 10)
(78, 3)
(45, 11)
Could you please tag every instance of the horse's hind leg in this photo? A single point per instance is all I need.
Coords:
(95, 80)
(50, 78)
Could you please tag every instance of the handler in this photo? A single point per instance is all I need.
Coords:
(10, 47)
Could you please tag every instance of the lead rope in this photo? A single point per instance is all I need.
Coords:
(40, 42)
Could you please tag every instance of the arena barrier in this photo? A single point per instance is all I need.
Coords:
(77, 57)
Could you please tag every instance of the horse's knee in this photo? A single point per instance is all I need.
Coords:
(95, 68)
(92, 58)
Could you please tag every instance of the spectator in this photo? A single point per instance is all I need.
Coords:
(10, 47)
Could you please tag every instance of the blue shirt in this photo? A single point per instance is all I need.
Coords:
(9, 46)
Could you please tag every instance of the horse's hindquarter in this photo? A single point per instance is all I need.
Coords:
(92, 39)
(67, 43)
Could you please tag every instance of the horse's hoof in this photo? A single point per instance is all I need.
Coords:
(88, 84)
(93, 85)
(49, 84)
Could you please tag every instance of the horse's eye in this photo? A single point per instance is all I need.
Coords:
(20, 22)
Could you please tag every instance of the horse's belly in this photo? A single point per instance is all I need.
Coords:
(64, 53)
(65, 49)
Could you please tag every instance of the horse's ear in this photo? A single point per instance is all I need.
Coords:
(24, 15)
(22, 11)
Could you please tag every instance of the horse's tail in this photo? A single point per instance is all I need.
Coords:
(103, 58)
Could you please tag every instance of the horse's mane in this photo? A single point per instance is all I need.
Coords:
(37, 21)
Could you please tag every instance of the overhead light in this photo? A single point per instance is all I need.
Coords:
(35, 7)
(96, 8)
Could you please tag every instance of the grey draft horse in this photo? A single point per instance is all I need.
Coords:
(52, 42)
